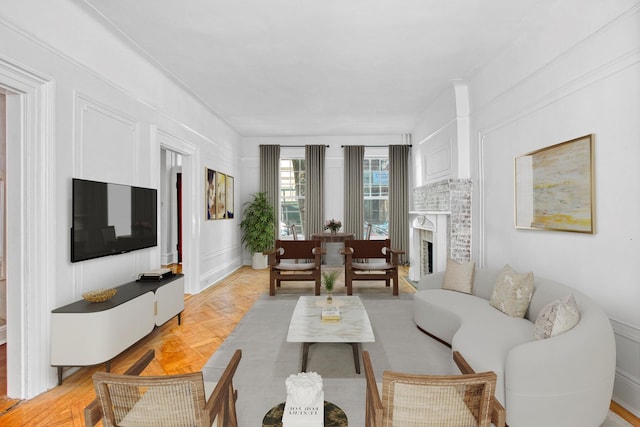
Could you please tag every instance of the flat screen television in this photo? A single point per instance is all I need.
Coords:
(111, 219)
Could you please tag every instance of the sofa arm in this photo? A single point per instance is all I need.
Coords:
(554, 381)
(431, 281)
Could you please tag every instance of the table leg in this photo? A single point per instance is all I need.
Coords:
(356, 356)
(305, 356)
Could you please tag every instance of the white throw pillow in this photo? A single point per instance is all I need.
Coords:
(557, 317)
(459, 276)
(512, 292)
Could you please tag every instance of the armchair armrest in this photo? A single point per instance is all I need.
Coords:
(319, 251)
(395, 251)
(271, 255)
(498, 413)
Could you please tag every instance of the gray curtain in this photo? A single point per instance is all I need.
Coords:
(399, 198)
(313, 218)
(354, 190)
(270, 180)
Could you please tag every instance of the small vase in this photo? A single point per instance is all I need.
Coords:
(329, 298)
(333, 231)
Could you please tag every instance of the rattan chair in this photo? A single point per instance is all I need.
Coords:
(429, 400)
(168, 400)
(283, 265)
(370, 260)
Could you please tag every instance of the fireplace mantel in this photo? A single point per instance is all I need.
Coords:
(436, 223)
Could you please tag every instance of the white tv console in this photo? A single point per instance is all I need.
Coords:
(85, 333)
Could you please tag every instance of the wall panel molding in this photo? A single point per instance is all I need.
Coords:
(626, 391)
(85, 108)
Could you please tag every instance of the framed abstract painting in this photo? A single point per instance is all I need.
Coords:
(554, 187)
(210, 193)
(221, 195)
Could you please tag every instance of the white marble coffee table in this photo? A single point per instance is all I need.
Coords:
(352, 328)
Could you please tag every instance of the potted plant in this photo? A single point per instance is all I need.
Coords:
(258, 228)
(329, 279)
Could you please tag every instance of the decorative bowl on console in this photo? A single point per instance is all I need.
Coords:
(99, 295)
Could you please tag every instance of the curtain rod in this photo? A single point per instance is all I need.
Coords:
(375, 146)
(299, 146)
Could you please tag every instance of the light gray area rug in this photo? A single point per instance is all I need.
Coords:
(267, 359)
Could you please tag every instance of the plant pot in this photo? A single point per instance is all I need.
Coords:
(329, 298)
(259, 261)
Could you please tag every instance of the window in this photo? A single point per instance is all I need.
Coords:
(292, 196)
(376, 196)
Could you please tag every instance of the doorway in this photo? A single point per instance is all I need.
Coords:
(171, 209)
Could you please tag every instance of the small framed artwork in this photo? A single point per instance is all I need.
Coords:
(554, 187)
(221, 195)
(210, 193)
(229, 202)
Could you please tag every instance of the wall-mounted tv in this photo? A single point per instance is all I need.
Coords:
(110, 219)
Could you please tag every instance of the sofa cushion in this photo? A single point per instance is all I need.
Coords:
(441, 312)
(459, 276)
(512, 292)
(557, 317)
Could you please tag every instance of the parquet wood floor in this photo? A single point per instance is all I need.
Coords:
(208, 318)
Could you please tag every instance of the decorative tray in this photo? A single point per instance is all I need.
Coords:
(99, 295)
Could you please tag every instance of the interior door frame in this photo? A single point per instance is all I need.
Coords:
(190, 202)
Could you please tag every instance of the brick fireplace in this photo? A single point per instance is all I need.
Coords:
(440, 226)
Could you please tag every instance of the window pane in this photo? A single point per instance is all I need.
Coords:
(376, 196)
(292, 196)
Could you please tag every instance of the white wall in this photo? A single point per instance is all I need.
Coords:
(112, 111)
(579, 74)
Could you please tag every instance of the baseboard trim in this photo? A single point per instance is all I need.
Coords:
(626, 390)
(624, 413)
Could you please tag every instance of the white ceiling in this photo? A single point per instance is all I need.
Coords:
(320, 67)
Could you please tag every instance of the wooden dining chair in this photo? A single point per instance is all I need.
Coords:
(429, 400)
(283, 265)
(370, 260)
(367, 234)
(167, 400)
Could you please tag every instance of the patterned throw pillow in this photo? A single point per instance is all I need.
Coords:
(459, 276)
(512, 292)
(557, 317)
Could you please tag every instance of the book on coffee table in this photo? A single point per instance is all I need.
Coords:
(331, 313)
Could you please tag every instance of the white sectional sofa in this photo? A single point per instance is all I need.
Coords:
(565, 380)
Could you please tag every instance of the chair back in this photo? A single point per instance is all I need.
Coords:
(152, 400)
(294, 231)
(93, 411)
(296, 249)
(168, 400)
(368, 249)
(367, 234)
(410, 399)
(459, 400)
